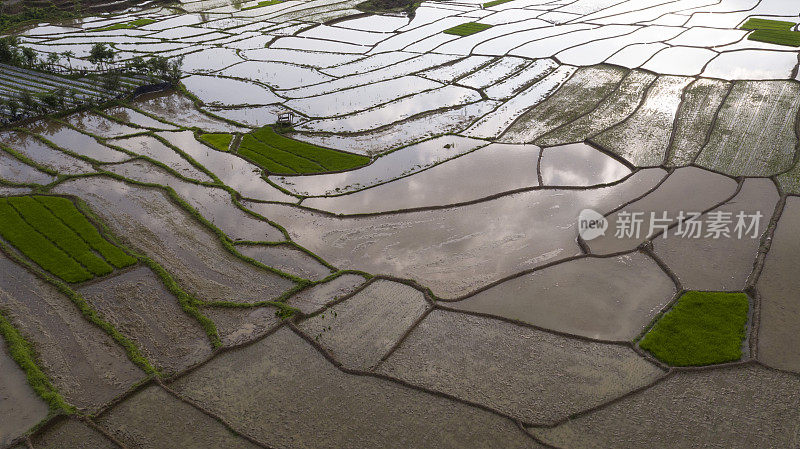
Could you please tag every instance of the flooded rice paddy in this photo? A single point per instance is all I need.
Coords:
(443, 295)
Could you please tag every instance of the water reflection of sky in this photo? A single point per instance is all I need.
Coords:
(457, 250)
(579, 165)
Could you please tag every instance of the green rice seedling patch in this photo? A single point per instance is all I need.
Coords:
(767, 24)
(34, 245)
(263, 4)
(260, 154)
(465, 29)
(331, 160)
(282, 155)
(57, 232)
(495, 3)
(778, 37)
(702, 328)
(63, 247)
(65, 210)
(219, 141)
(126, 26)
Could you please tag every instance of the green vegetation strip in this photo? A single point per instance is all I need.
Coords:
(57, 232)
(465, 29)
(133, 352)
(34, 245)
(766, 24)
(125, 26)
(32, 15)
(28, 161)
(187, 302)
(57, 237)
(65, 210)
(221, 142)
(283, 310)
(263, 4)
(281, 155)
(495, 3)
(22, 352)
(779, 37)
(703, 328)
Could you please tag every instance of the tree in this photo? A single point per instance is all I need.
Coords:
(50, 99)
(136, 64)
(111, 83)
(9, 50)
(158, 66)
(61, 97)
(27, 100)
(68, 55)
(174, 72)
(101, 55)
(52, 60)
(74, 98)
(13, 107)
(161, 68)
(29, 56)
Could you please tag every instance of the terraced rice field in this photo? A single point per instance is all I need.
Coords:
(52, 233)
(516, 224)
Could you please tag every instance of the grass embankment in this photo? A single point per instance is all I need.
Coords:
(263, 4)
(703, 328)
(23, 353)
(221, 142)
(773, 32)
(279, 154)
(465, 29)
(57, 237)
(127, 26)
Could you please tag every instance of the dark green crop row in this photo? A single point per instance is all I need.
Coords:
(495, 3)
(702, 328)
(35, 214)
(282, 155)
(220, 141)
(779, 37)
(61, 243)
(34, 245)
(126, 26)
(777, 32)
(71, 216)
(767, 24)
(465, 29)
(263, 4)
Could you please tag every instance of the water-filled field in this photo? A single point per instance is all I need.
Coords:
(522, 223)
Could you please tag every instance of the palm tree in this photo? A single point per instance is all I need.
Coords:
(61, 97)
(173, 73)
(13, 107)
(27, 100)
(29, 56)
(74, 98)
(101, 55)
(69, 55)
(52, 60)
(111, 83)
(9, 50)
(50, 100)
